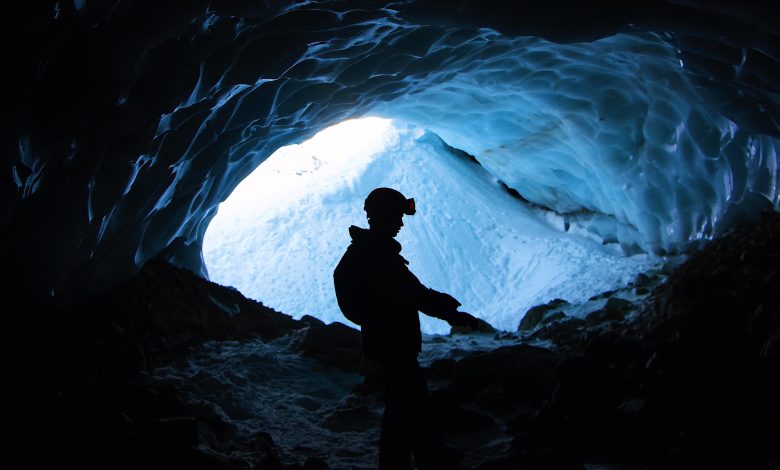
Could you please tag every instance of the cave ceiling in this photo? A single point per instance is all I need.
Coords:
(127, 123)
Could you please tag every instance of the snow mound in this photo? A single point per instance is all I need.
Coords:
(470, 237)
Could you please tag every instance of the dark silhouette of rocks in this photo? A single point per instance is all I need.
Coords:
(335, 344)
(82, 390)
(685, 378)
(482, 327)
(690, 384)
(546, 312)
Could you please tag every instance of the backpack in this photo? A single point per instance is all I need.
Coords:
(351, 293)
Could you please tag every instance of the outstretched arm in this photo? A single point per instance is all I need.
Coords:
(444, 306)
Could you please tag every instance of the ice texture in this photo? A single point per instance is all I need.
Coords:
(613, 133)
(657, 137)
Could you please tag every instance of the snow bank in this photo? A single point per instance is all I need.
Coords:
(470, 237)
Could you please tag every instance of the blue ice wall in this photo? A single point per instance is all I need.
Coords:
(124, 139)
(617, 134)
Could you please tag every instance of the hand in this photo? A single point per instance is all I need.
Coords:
(464, 319)
(447, 303)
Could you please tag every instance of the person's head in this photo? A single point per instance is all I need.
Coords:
(385, 209)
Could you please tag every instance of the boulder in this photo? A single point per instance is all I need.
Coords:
(482, 327)
(506, 376)
(335, 344)
(534, 316)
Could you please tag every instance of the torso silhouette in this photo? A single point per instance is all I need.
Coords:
(376, 290)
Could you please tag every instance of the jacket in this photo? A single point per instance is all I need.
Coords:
(376, 290)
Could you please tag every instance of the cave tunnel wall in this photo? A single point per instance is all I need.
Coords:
(129, 122)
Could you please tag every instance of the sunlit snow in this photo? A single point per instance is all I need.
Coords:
(284, 228)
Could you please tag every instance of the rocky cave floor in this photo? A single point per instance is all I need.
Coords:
(682, 373)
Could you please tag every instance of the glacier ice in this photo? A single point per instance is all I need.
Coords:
(633, 138)
(614, 133)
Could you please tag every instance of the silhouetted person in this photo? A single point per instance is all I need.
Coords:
(376, 290)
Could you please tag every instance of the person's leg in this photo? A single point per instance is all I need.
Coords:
(394, 442)
(408, 425)
(426, 442)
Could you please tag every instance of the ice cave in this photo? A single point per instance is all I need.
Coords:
(597, 181)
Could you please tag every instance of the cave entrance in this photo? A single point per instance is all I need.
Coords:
(280, 234)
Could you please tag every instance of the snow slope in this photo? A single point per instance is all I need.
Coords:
(469, 237)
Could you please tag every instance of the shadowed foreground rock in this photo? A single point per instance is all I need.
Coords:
(688, 382)
(692, 384)
(77, 381)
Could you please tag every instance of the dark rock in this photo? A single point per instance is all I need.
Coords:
(632, 405)
(566, 333)
(613, 350)
(168, 311)
(690, 382)
(557, 316)
(174, 432)
(482, 327)
(506, 375)
(541, 459)
(467, 420)
(444, 403)
(93, 360)
(615, 309)
(642, 280)
(763, 321)
(672, 264)
(262, 439)
(315, 463)
(441, 369)
(771, 350)
(452, 417)
(312, 321)
(603, 295)
(334, 345)
(533, 316)
(352, 419)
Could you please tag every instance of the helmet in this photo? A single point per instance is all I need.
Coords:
(386, 201)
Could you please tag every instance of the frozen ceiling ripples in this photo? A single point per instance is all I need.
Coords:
(657, 136)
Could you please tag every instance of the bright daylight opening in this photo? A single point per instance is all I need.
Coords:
(280, 234)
